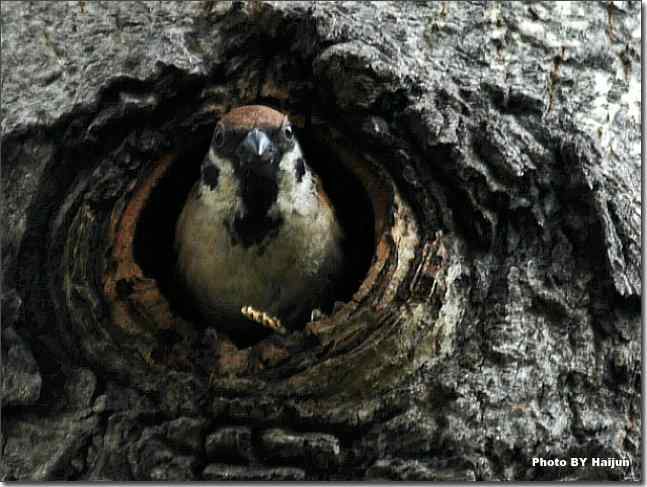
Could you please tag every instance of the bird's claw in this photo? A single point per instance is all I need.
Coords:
(263, 319)
(316, 315)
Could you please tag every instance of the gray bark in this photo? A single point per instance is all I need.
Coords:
(500, 144)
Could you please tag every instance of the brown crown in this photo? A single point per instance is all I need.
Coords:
(253, 116)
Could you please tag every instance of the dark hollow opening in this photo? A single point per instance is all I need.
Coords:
(153, 245)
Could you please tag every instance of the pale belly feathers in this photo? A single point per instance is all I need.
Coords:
(285, 275)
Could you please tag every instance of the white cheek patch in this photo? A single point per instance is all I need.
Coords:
(213, 157)
(294, 195)
(226, 195)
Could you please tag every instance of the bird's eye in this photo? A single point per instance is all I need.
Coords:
(219, 137)
(287, 131)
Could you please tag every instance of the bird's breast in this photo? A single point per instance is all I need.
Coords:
(293, 259)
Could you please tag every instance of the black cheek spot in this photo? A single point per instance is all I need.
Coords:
(300, 169)
(210, 175)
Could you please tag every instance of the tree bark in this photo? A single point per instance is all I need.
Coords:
(495, 152)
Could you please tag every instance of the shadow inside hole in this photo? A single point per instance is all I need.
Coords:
(353, 209)
(154, 250)
(153, 246)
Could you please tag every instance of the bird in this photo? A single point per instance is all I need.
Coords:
(258, 241)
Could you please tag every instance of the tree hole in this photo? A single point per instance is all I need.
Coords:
(153, 244)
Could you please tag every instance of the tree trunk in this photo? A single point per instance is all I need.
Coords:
(485, 158)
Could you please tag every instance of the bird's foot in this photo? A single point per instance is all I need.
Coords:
(263, 319)
(316, 315)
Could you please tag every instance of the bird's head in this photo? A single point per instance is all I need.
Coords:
(253, 140)
(255, 158)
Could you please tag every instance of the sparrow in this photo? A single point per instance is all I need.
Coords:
(258, 242)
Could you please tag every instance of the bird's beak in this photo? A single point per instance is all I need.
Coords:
(256, 146)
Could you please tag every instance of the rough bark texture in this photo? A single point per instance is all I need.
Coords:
(499, 146)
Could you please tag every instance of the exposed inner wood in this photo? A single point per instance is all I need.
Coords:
(138, 305)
